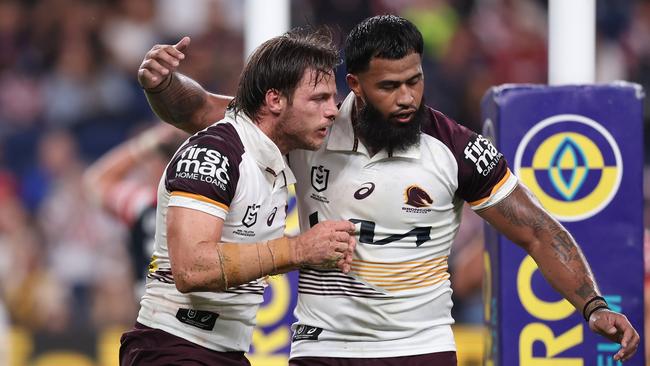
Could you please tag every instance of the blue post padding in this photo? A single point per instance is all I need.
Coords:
(580, 150)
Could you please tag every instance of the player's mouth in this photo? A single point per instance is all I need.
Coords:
(403, 117)
(322, 132)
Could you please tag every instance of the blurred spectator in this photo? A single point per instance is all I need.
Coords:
(82, 245)
(33, 297)
(11, 21)
(130, 32)
(4, 335)
(124, 182)
(21, 102)
(82, 86)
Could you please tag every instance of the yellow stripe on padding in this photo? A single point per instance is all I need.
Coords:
(198, 197)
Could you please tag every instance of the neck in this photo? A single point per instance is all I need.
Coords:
(354, 118)
(268, 126)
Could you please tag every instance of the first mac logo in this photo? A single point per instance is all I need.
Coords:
(206, 165)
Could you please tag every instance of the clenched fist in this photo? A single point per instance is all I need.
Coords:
(160, 62)
(329, 244)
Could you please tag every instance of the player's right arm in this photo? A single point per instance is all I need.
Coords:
(199, 207)
(174, 97)
(201, 262)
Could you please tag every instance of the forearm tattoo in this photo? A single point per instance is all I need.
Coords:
(564, 247)
(586, 290)
(523, 213)
(178, 102)
(523, 216)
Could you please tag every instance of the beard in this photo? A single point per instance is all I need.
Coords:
(378, 132)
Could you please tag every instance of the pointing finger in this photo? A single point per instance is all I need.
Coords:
(182, 44)
(167, 57)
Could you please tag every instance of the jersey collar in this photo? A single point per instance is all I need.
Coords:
(257, 144)
(343, 138)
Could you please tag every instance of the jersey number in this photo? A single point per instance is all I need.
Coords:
(367, 232)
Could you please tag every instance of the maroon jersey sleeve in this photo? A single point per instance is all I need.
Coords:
(482, 169)
(207, 167)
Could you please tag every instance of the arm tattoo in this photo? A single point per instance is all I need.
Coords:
(519, 211)
(586, 290)
(564, 247)
(178, 103)
(522, 216)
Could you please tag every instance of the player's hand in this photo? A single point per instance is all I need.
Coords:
(328, 244)
(615, 327)
(160, 62)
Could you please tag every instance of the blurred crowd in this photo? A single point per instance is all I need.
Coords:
(68, 93)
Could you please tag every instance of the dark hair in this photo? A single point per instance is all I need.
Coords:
(383, 36)
(280, 63)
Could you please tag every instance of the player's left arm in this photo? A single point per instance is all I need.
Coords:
(176, 98)
(521, 219)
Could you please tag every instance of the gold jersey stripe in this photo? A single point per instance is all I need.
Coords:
(395, 279)
(399, 275)
(400, 265)
(427, 283)
(417, 282)
(494, 189)
(198, 197)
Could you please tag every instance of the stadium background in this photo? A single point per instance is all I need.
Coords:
(68, 93)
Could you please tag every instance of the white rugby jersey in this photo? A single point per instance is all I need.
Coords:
(407, 209)
(233, 171)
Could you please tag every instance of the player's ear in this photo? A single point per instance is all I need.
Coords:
(353, 83)
(275, 101)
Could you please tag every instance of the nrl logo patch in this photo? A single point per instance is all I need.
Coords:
(250, 217)
(319, 176)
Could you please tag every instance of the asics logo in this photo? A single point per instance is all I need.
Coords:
(365, 190)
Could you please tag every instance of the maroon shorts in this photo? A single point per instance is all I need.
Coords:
(143, 346)
(437, 359)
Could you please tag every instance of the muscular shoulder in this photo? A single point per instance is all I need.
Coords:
(481, 167)
(446, 130)
(207, 164)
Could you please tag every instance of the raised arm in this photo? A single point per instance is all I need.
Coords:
(521, 218)
(174, 97)
(201, 262)
(112, 169)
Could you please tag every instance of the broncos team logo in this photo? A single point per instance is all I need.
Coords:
(572, 164)
(417, 197)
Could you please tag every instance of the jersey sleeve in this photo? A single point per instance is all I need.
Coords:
(484, 178)
(204, 173)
